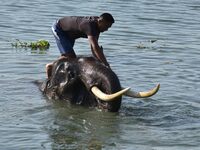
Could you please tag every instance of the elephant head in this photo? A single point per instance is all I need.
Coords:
(86, 81)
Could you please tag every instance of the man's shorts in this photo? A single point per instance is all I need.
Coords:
(64, 42)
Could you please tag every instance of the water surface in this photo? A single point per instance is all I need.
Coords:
(169, 120)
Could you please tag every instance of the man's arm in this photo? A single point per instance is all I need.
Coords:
(96, 50)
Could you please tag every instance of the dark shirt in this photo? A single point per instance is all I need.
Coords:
(77, 27)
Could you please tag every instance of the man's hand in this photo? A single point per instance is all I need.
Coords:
(107, 65)
(97, 50)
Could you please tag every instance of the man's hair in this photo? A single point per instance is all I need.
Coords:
(107, 17)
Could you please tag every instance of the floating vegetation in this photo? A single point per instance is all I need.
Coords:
(141, 46)
(146, 44)
(40, 44)
(152, 41)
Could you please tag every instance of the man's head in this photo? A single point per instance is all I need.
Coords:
(105, 21)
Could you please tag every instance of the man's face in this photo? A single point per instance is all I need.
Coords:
(104, 26)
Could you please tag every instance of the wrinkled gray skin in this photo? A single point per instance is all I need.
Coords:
(72, 80)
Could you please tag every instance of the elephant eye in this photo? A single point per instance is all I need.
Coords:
(62, 71)
(60, 68)
(71, 74)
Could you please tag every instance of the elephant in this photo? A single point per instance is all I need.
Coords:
(86, 81)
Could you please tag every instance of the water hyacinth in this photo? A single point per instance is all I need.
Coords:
(40, 44)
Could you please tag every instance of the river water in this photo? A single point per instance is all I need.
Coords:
(170, 120)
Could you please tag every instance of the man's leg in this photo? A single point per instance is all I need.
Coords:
(64, 42)
(49, 70)
(65, 46)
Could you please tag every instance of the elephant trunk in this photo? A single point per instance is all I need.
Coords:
(106, 80)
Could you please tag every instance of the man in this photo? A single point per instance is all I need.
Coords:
(67, 29)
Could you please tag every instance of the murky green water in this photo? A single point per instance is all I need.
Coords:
(168, 120)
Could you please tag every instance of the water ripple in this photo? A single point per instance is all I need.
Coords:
(169, 120)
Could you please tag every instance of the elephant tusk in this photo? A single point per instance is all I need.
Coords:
(143, 94)
(107, 97)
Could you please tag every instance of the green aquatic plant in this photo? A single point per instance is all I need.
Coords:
(141, 46)
(146, 45)
(40, 44)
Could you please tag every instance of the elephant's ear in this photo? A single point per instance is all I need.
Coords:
(43, 86)
(57, 74)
